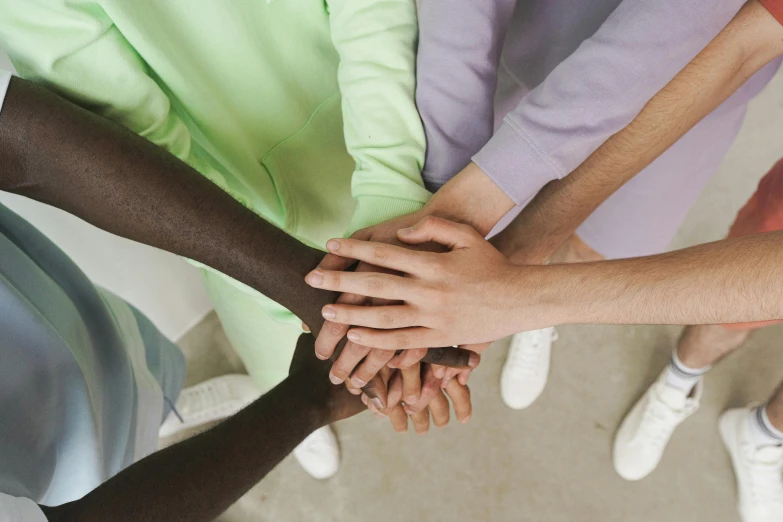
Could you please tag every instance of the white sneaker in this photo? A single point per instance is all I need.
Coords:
(758, 470)
(527, 367)
(209, 401)
(319, 454)
(645, 431)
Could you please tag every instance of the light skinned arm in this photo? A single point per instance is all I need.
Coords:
(594, 93)
(750, 41)
(590, 96)
(473, 293)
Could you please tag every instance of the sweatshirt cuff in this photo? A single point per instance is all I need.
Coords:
(372, 210)
(515, 164)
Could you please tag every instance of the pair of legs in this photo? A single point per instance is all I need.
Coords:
(753, 436)
(703, 346)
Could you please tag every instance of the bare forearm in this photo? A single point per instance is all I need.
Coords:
(748, 43)
(62, 155)
(735, 280)
(57, 153)
(471, 198)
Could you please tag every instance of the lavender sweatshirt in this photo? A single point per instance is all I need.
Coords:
(590, 68)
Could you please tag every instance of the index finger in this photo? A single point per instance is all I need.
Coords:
(332, 333)
(379, 254)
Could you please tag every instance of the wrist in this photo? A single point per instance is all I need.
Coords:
(304, 395)
(545, 295)
(520, 251)
(472, 198)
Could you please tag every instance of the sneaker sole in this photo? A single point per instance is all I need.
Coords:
(729, 441)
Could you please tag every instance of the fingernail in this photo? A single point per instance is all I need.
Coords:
(354, 336)
(328, 313)
(409, 410)
(315, 279)
(465, 420)
(473, 360)
(377, 403)
(335, 379)
(392, 365)
(379, 415)
(440, 372)
(332, 245)
(406, 231)
(357, 382)
(322, 357)
(445, 383)
(411, 399)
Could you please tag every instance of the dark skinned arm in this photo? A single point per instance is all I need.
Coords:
(57, 153)
(196, 480)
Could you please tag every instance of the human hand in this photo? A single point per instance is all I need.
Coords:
(471, 294)
(332, 403)
(361, 363)
(437, 406)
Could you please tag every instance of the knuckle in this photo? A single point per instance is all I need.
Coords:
(434, 299)
(436, 355)
(354, 350)
(386, 319)
(335, 328)
(402, 341)
(341, 369)
(380, 253)
(429, 221)
(466, 229)
(375, 284)
(378, 357)
(417, 354)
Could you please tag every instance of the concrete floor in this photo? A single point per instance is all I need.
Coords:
(552, 462)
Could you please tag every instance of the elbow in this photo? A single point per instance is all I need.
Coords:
(760, 37)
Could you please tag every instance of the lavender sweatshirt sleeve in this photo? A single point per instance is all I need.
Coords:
(598, 90)
(460, 43)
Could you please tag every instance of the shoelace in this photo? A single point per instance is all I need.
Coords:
(524, 359)
(658, 423)
(766, 487)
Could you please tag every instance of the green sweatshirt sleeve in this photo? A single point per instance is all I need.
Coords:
(376, 41)
(74, 48)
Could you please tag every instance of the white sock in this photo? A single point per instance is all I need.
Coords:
(681, 377)
(761, 429)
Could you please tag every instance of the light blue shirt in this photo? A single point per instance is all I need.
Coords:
(83, 375)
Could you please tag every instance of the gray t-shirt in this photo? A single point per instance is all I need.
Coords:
(83, 375)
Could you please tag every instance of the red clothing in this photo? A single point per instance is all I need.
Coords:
(764, 211)
(775, 7)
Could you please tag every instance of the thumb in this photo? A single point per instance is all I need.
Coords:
(442, 231)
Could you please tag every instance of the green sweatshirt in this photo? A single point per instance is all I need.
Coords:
(303, 110)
